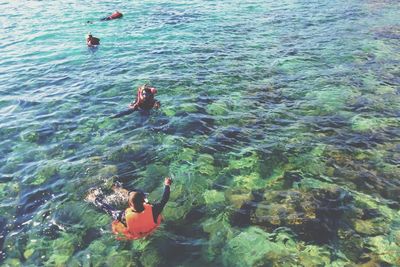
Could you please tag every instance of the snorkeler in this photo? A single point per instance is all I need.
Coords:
(115, 15)
(92, 41)
(144, 101)
(140, 219)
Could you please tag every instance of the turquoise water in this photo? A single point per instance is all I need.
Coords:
(279, 124)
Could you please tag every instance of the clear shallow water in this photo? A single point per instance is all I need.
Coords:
(279, 123)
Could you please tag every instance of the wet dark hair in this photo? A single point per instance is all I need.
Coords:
(136, 200)
(148, 90)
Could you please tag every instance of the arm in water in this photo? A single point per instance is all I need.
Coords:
(124, 112)
(115, 214)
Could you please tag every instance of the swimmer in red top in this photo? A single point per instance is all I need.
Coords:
(115, 15)
(92, 41)
(145, 98)
(144, 101)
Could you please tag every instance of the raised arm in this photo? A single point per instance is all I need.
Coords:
(158, 207)
(135, 104)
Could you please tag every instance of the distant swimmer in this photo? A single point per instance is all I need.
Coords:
(141, 218)
(115, 15)
(92, 41)
(144, 101)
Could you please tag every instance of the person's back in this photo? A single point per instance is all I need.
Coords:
(140, 219)
(115, 15)
(138, 224)
(92, 41)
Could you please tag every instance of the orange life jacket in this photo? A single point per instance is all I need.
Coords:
(138, 224)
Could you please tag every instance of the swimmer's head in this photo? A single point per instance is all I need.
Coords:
(149, 89)
(136, 200)
(153, 90)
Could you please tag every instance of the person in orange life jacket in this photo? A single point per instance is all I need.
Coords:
(91, 40)
(115, 15)
(144, 101)
(140, 219)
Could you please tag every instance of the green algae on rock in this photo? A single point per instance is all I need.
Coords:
(329, 100)
(249, 181)
(237, 197)
(213, 197)
(362, 124)
(252, 239)
(204, 165)
(220, 232)
(217, 108)
(386, 250)
(45, 173)
(278, 249)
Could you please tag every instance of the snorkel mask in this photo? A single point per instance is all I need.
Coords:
(147, 89)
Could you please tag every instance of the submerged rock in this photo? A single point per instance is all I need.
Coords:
(220, 232)
(205, 165)
(368, 124)
(108, 171)
(244, 162)
(351, 244)
(238, 197)
(314, 215)
(371, 227)
(196, 124)
(159, 251)
(63, 248)
(213, 197)
(217, 108)
(121, 258)
(12, 262)
(387, 251)
(254, 247)
(226, 139)
(31, 201)
(151, 258)
(249, 181)
(45, 173)
(128, 153)
(329, 100)
(153, 176)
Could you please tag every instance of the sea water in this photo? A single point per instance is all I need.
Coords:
(279, 124)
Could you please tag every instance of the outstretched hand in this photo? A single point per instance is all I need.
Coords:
(132, 105)
(167, 181)
(157, 105)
